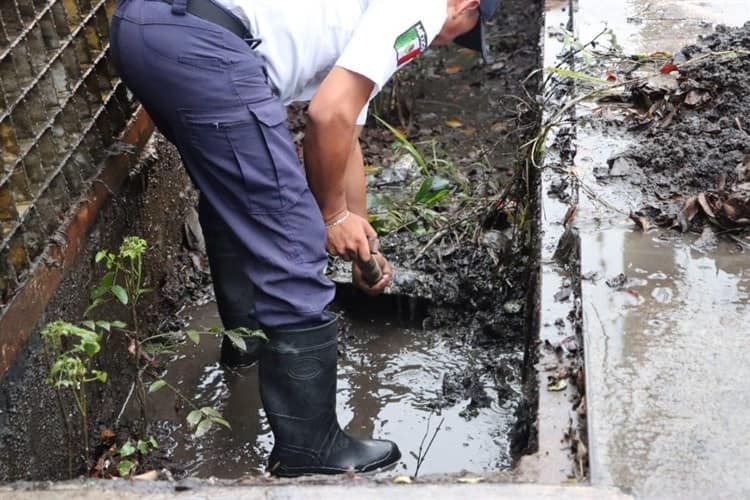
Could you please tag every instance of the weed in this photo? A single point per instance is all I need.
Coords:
(70, 351)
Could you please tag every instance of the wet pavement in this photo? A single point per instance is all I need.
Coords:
(666, 347)
(391, 379)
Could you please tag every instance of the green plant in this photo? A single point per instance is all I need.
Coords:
(70, 350)
(129, 452)
(123, 282)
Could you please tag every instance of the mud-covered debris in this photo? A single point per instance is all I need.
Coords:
(563, 293)
(559, 188)
(558, 385)
(513, 307)
(622, 166)
(641, 221)
(496, 240)
(402, 171)
(568, 247)
(693, 135)
(617, 282)
(194, 239)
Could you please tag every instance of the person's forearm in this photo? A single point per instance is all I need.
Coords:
(327, 148)
(356, 191)
(329, 135)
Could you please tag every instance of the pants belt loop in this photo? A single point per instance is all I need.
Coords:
(179, 7)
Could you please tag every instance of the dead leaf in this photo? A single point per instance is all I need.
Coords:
(454, 122)
(689, 210)
(697, 97)
(470, 480)
(581, 410)
(499, 127)
(570, 215)
(452, 70)
(705, 205)
(643, 223)
(107, 434)
(402, 480)
(557, 386)
(151, 475)
(668, 68)
(469, 132)
(609, 76)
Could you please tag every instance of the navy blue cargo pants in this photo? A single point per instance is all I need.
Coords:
(209, 94)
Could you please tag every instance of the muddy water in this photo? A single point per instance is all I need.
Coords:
(391, 379)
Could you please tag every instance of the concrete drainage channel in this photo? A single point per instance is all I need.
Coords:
(447, 363)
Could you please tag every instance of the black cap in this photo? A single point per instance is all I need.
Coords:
(474, 39)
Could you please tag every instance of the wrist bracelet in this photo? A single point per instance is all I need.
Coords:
(340, 220)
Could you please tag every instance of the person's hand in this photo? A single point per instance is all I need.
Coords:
(378, 287)
(348, 237)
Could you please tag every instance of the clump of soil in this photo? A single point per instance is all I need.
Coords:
(701, 140)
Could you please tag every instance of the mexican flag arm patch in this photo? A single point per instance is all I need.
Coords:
(410, 43)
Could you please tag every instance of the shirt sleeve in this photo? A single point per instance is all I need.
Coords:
(391, 33)
(362, 118)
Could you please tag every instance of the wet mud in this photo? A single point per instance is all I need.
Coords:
(696, 138)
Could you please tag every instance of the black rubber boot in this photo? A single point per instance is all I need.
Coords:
(232, 287)
(298, 390)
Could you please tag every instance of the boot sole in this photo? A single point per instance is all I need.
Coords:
(379, 466)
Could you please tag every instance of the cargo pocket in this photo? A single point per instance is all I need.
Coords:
(271, 116)
(237, 149)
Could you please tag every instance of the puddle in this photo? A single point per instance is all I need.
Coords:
(391, 377)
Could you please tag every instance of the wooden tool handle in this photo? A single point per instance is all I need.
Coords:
(371, 271)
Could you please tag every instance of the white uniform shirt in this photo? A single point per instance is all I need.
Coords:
(303, 39)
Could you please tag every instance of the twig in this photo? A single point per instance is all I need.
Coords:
(422, 456)
(127, 400)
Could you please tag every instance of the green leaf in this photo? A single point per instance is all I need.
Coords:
(152, 442)
(127, 449)
(237, 340)
(97, 302)
(194, 417)
(104, 285)
(100, 255)
(119, 324)
(100, 376)
(89, 324)
(142, 447)
(429, 187)
(104, 325)
(193, 335)
(158, 384)
(246, 332)
(120, 293)
(221, 421)
(125, 468)
(91, 348)
(203, 427)
(436, 198)
(211, 412)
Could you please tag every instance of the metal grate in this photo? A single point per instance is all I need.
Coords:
(61, 107)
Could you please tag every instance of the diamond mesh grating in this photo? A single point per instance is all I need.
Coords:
(61, 108)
